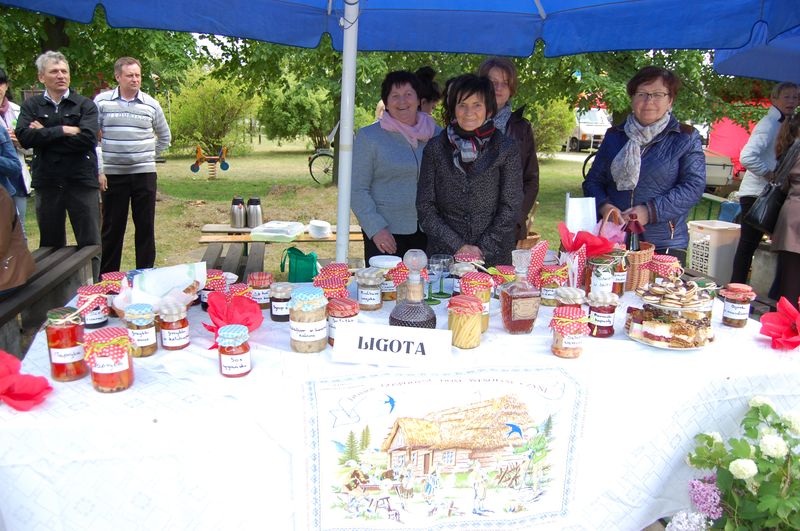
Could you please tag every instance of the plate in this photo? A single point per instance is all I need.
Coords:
(645, 341)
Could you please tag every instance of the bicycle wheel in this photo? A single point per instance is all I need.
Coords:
(587, 164)
(321, 168)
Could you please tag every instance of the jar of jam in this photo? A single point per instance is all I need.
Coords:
(64, 330)
(108, 355)
(551, 277)
(279, 301)
(174, 326)
(93, 305)
(664, 268)
(602, 309)
(480, 285)
(142, 327)
(737, 304)
(332, 287)
(599, 274)
(385, 263)
(340, 311)
(569, 328)
(259, 283)
(569, 296)
(464, 320)
(457, 270)
(620, 257)
(369, 288)
(308, 320)
(234, 351)
(215, 281)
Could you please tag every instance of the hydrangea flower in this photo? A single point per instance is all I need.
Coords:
(715, 436)
(793, 420)
(773, 446)
(743, 468)
(758, 401)
(688, 521)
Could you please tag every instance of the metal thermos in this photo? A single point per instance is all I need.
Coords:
(238, 215)
(254, 216)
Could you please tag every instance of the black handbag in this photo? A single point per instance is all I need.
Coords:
(763, 215)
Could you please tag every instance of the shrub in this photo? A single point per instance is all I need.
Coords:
(552, 123)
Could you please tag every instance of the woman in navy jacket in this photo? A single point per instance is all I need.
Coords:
(652, 165)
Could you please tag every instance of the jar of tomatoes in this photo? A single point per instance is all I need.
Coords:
(64, 330)
(234, 351)
(174, 326)
(93, 305)
(602, 309)
(108, 354)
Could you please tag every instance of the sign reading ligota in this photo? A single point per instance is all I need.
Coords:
(390, 345)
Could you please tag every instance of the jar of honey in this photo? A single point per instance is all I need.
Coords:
(108, 355)
(64, 330)
(234, 351)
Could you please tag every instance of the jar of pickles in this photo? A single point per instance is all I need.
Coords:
(385, 263)
(308, 320)
(108, 355)
(93, 305)
(174, 326)
(369, 288)
(599, 274)
(464, 320)
(551, 277)
(340, 311)
(602, 309)
(664, 268)
(480, 285)
(142, 327)
(64, 330)
(620, 257)
(279, 301)
(215, 281)
(457, 270)
(260, 282)
(234, 351)
(569, 328)
(569, 296)
(737, 304)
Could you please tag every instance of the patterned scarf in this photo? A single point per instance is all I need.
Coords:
(467, 145)
(502, 116)
(421, 131)
(627, 164)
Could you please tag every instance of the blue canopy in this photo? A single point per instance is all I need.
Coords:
(776, 59)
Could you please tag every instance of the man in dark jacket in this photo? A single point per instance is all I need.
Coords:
(61, 127)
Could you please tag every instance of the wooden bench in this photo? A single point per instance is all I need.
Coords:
(240, 259)
(59, 272)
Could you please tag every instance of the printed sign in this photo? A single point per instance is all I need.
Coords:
(396, 346)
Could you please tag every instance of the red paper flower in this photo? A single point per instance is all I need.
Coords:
(20, 391)
(782, 326)
(240, 310)
(595, 245)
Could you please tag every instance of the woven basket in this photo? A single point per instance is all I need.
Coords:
(529, 242)
(638, 277)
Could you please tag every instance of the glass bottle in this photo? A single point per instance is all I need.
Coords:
(174, 326)
(142, 327)
(108, 354)
(259, 282)
(464, 320)
(340, 311)
(633, 229)
(413, 311)
(64, 330)
(234, 351)
(519, 300)
(308, 320)
(279, 301)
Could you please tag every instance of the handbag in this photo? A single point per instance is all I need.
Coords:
(763, 215)
(302, 267)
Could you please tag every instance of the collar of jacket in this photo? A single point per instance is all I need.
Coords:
(518, 113)
(70, 98)
(672, 125)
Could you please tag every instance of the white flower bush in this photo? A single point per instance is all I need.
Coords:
(773, 446)
(793, 420)
(743, 468)
(758, 401)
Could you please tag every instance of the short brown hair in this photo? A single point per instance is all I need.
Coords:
(125, 61)
(506, 66)
(651, 73)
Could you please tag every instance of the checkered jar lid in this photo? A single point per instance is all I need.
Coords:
(232, 335)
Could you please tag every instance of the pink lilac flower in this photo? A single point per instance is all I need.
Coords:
(705, 496)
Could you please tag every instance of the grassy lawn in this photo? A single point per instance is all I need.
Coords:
(279, 176)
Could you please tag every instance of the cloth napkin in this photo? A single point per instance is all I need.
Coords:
(240, 310)
(20, 391)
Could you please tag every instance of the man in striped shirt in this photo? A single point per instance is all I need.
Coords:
(134, 132)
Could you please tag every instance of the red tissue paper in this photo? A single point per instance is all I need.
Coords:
(240, 310)
(782, 326)
(20, 391)
(595, 245)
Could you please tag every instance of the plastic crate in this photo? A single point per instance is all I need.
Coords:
(712, 246)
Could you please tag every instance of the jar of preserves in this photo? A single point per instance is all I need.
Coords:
(260, 282)
(386, 263)
(569, 296)
(64, 330)
(112, 282)
(464, 320)
(279, 301)
(93, 305)
(551, 277)
(239, 289)
(234, 351)
(569, 328)
(215, 281)
(664, 268)
(620, 257)
(602, 309)
(308, 320)
(340, 311)
(457, 270)
(108, 355)
(332, 287)
(737, 304)
(599, 274)
(519, 300)
(480, 285)
(501, 274)
(142, 327)
(174, 326)
(369, 288)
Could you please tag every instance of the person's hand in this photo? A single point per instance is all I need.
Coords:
(14, 140)
(642, 214)
(605, 209)
(35, 125)
(71, 130)
(384, 241)
(470, 249)
(101, 178)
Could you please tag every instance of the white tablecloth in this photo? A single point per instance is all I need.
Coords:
(185, 448)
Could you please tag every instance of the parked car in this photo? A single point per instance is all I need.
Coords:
(590, 129)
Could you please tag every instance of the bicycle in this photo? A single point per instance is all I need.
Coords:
(320, 163)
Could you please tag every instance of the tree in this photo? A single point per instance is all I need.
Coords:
(552, 122)
(350, 449)
(365, 438)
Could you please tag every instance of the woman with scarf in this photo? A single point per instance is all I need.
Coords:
(468, 196)
(20, 184)
(503, 75)
(651, 166)
(386, 159)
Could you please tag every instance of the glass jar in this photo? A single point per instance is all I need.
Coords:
(108, 354)
(519, 300)
(464, 320)
(501, 274)
(340, 311)
(569, 328)
(259, 283)
(308, 320)
(569, 296)
(457, 270)
(239, 289)
(602, 309)
(279, 301)
(64, 330)
(385, 263)
(142, 327)
(215, 281)
(551, 277)
(620, 271)
(599, 274)
(369, 288)
(174, 326)
(664, 268)
(480, 285)
(93, 305)
(234, 351)
(737, 304)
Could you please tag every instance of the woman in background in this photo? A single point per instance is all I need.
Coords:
(786, 237)
(430, 94)
(9, 111)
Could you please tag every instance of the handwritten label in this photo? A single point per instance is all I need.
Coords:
(387, 286)
(369, 296)
(308, 331)
(601, 319)
(548, 293)
(280, 308)
(105, 365)
(95, 317)
(735, 310)
(261, 296)
(602, 282)
(144, 337)
(175, 338)
(396, 346)
(236, 364)
(572, 341)
(66, 355)
(334, 322)
(456, 286)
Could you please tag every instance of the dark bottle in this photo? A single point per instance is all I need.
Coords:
(633, 229)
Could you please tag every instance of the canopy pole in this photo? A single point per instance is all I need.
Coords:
(345, 148)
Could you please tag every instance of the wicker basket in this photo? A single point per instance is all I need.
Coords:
(637, 276)
(529, 242)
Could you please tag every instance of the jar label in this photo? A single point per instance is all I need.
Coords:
(261, 296)
(204, 295)
(387, 286)
(549, 293)
(601, 319)
(175, 338)
(96, 316)
(66, 355)
(602, 282)
(575, 341)
(456, 285)
(236, 364)
(106, 365)
(620, 277)
(280, 308)
(485, 308)
(308, 331)
(333, 322)
(369, 296)
(735, 310)
(144, 337)
(526, 308)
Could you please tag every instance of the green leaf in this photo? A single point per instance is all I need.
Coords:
(740, 448)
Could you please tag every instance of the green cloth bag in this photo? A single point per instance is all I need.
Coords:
(302, 267)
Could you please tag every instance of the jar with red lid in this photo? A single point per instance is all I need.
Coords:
(260, 282)
(569, 328)
(93, 305)
(602, 309)
(234, 351)
(174, 326)
(340, 311)
(332, 287)
(239, 289)
(664, 268)
(737, 304)
(464, 320)
(64, 330)
(108, 354)
(215, 281)
(479, 285)
(551, 277)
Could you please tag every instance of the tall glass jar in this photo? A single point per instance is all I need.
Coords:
(340, 311)
(64, 330)
(108, 354)
(234, 351)
(602, 310)
(620, 271)
(369, 288)
(93, 305)
(215, 281)
(260, 282)
(600, 274)
(480, 285)
(279, 302)
(569, 329)
(142, 327)
(519, 300)
(174, 326)
(308, 320)
(385, 263)
(464, 320)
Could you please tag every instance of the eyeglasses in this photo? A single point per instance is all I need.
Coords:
(655, 96)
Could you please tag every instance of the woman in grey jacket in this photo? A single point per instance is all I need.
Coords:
(468, 196)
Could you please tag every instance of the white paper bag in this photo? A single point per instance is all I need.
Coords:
(581, 214)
